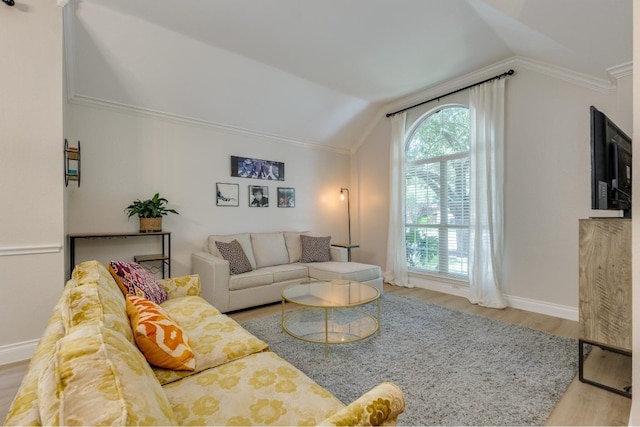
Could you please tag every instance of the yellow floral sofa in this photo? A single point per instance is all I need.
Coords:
(87, 370)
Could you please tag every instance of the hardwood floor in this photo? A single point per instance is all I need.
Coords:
(581, 405)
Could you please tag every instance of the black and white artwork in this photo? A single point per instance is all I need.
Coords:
(286, 197)
(247, 167)
(258, 196)
(227, 194)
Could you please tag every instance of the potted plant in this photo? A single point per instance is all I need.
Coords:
(150, 212)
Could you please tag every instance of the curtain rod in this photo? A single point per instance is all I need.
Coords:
(499, 76)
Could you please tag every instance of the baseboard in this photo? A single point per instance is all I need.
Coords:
(17, 352)
(535, 306)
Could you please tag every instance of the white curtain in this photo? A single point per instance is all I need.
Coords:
(486, 107)
(396, 271)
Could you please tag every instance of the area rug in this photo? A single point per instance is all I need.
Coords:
(454, 368)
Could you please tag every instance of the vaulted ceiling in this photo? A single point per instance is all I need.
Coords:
(319, 71)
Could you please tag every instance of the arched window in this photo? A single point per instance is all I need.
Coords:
(437, 193)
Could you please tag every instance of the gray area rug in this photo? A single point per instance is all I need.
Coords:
(454, 368)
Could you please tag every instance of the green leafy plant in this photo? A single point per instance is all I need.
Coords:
(151, 208)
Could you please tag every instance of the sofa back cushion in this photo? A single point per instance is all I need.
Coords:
(93, 303)
(97, 377)
(243, 238)
(93, 272)
(294, 247)
(269, 249)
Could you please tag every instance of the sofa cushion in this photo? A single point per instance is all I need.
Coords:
(315, 249)
(216, 338)
(134, 279)
(233, 252)
(160, 338)
(97, 377)
(283, 273)
(294, 247)
(250, 279)
(343, 270)
(269, 249)
(181, 286)
(260, 389)
(243, 238)
(91, 303)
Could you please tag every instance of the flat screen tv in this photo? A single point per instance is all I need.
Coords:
(610, 165)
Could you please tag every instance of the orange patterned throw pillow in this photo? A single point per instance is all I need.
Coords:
(162, 341)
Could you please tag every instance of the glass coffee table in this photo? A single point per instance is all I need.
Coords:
(330, 312)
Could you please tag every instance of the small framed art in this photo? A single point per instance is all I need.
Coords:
(258, 196)
(227, 194)
(286, 197)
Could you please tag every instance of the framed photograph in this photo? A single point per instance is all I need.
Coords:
(286, 197)
(247, 167)
(258, 196)
(227, 194)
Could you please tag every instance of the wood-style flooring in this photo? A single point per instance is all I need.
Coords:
(581, 405)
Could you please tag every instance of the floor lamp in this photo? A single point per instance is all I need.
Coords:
(342, 190)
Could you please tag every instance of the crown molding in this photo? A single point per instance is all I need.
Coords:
(580, 79)
(622, 70)
(88, 101)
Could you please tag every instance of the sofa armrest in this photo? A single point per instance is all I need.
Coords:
(339, 254)
(182, 286)
(378, 407)
(214, 277)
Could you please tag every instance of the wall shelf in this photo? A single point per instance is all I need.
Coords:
(71, 163)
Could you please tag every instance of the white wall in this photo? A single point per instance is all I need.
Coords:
(547, 185)
(129, 155)
(31, 173)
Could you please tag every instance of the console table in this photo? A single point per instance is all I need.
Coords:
(164, 257)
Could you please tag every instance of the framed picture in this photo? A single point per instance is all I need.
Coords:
(247, 167)
(286, 197)
(258, 196)
(227, 194)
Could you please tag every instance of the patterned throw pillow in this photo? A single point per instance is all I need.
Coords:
(135, 280)
(315, 249)
(232, 252)
(162, 341)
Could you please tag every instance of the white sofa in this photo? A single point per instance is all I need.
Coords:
(275, 261)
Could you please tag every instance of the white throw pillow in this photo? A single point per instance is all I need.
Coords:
(269, 249)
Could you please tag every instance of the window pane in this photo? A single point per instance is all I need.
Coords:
(422, 189)
(458, 191)
(442, 133)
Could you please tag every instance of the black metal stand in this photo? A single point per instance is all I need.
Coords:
(624, 392)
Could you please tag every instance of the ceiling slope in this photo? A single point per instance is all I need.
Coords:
(319, 71)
